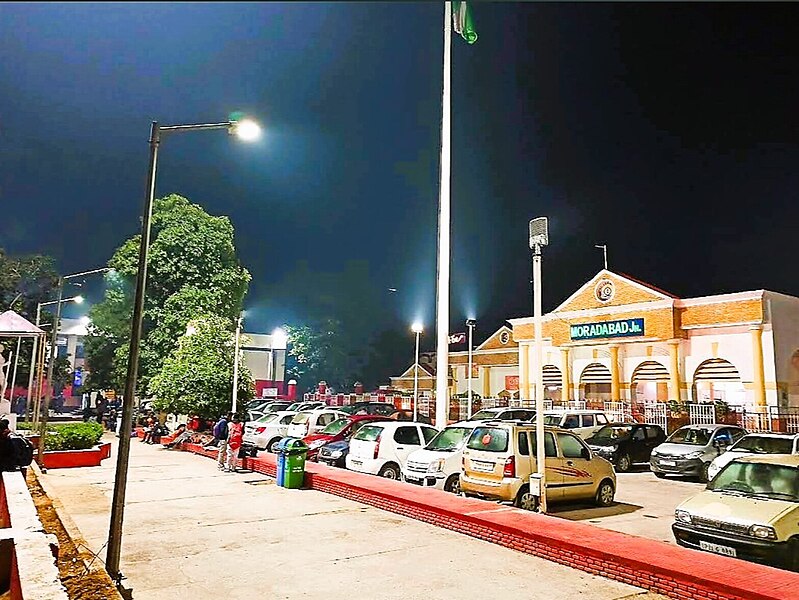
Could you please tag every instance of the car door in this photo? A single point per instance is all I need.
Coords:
(554, 463)
(577, 479)
(637, 445)
(654, 437)
(407, 438)
(428, 433)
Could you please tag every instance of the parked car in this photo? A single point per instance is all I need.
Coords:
(369, 408)
(504, 414)
(407, 415)
(755, 443)
(625, 444)
(582, 422)
(266, 432)
(306, 405)
(334, 454)
(500, 457)
(312, 421)
(438, 464)
(275, 405)
(750, 510)
(340, 429)
(691, 449)
(381, 448)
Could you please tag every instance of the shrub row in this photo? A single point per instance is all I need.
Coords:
(73, 436)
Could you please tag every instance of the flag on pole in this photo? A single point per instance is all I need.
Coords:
(462, 22)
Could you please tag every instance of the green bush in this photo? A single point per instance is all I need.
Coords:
(74, 436)
(28, 426)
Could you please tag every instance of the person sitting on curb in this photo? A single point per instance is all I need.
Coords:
(181, 435)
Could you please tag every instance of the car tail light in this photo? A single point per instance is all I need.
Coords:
(377, 444)
(510, 467)
(260, 430)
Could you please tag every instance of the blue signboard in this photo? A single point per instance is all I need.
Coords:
(607, 329)
(77, 378)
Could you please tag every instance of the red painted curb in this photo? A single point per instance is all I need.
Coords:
(650, 564)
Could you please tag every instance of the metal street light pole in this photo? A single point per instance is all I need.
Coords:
(236, 366)
(539, 237)
(470, 323)
(604, 248)
(247, 130)
(417, 329)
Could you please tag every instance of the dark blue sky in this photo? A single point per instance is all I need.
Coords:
(667, 131)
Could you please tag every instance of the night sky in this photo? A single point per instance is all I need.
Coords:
(669, 132)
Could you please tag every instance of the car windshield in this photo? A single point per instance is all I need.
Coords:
(552, 419)
(484, 415)
(449, 439)
(489, 439)
(336, 426)
(300, 418)
(694, 436)
(761, 480)
(760, 444)
(369, 433)
(613, 432)
(268, 418)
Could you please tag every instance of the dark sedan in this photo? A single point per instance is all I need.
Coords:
(334, 454)
(625, 444)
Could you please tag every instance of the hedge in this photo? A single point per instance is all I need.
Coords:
(73, 436)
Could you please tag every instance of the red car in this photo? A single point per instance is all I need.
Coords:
(340, 429)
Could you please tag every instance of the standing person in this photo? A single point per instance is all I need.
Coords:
(235, 438)
(221, 435)
(101, 404)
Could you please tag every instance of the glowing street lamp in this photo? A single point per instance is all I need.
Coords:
(470, 323)
(245, 130)
(417, 329)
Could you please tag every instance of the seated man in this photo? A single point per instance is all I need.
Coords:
(181, 435)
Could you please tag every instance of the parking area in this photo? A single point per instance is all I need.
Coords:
(194, 532)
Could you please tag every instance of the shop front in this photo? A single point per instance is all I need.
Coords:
(617, 339)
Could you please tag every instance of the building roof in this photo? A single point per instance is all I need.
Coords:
(15, 325)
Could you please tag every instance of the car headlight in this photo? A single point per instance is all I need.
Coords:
(683, 516)
(696, 454)
(764, 532)
(655, 453)
(436, 466)
(316, 444)
(336, 454)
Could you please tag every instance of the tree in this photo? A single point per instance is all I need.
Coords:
(198, 376)
(390, 353)
(192, 271)
(318, 352)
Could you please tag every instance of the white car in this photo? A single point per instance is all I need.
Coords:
(381, 448)
(752, 444)
(266, 432)
(439, 463)
(582, 422)
(504, 414)
(308, 422)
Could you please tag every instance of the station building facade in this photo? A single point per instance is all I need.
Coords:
(619, 339)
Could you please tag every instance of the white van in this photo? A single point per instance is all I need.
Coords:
(381, 448)
(582, 422)
(308, 422)
(439, 463)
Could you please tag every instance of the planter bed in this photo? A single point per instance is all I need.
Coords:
(63, 459)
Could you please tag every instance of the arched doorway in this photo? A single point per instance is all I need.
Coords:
(595, 383)
(717, 379)
(650, 382)
(553, 383)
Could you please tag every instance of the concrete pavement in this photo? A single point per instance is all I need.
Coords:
(194, 532)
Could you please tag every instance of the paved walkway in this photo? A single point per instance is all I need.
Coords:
(194, 532)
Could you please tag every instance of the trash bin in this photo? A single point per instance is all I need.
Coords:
(294, 464)
(280, 450)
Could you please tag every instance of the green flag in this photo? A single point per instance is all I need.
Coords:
(462, 22)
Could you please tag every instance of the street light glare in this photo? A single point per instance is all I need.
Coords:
(246, 130)
(279, 339)
(85, 320)
(417, 328)
(78, 299)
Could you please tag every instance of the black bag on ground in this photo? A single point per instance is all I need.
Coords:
(23, 451)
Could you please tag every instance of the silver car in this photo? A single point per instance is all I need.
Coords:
(691, 449)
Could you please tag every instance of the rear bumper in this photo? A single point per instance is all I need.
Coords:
(364, 465)
(760, 551)
(505, 489)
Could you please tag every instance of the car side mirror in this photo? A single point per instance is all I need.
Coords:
(585, 453)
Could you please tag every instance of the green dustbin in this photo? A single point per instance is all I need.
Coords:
(294, 464)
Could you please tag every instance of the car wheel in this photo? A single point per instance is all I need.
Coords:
(525, 500)
(272, 445)
(605, 493)
(623, 463)
(390, 472)
(703, 476)
(660, 475)
(453, 484)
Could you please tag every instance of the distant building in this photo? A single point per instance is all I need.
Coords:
(265, 357)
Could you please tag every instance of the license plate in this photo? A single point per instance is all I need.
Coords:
(668, 463)
(717, 548)
(356, 462)
(483, 467)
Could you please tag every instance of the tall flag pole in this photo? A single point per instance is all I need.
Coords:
(463, 25)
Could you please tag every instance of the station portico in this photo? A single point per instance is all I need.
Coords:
(619, 339)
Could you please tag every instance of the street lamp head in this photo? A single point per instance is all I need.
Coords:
(246, 130)
(279, 339)
(539, 232)
(417, 327)
(78, 299)
(470, 322)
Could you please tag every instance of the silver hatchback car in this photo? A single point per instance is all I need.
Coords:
(691, 449)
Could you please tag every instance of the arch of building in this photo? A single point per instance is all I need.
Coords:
(595, 383)
(650, 382)
(553, 383)
(717, 379)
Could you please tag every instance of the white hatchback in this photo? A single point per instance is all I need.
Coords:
(266, 432)
(752, 444)
(381, 448)
(308, 422)
(439, 463)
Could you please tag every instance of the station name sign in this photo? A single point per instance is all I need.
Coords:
(607, 329)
